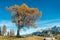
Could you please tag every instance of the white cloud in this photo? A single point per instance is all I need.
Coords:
(7, 23)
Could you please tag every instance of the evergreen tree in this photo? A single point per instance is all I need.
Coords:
(0, 30)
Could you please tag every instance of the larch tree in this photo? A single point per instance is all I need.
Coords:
(11, 32)
(24, 16)
(4, 30)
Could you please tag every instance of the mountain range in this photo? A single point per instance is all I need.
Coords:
(48, 32)
(55, 30)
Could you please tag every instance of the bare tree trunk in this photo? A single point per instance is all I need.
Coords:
(19, 27)
(18, 32)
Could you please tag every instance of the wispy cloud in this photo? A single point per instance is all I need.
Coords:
(48, 23)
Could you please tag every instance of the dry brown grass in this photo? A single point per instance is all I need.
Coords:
(26, 38)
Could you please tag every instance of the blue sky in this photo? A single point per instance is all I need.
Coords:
(50, 12)
(50, 8)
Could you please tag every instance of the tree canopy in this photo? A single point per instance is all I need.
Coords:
(25, 15)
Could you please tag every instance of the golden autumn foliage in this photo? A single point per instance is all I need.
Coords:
(24, 16)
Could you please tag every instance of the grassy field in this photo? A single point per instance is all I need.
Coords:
(27, 38)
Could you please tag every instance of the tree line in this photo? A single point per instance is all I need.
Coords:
(3, 31)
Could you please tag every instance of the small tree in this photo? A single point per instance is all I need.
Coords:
(0, 30)
(4, 30)
(7, 33)
(11, 32)
(24, 16)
